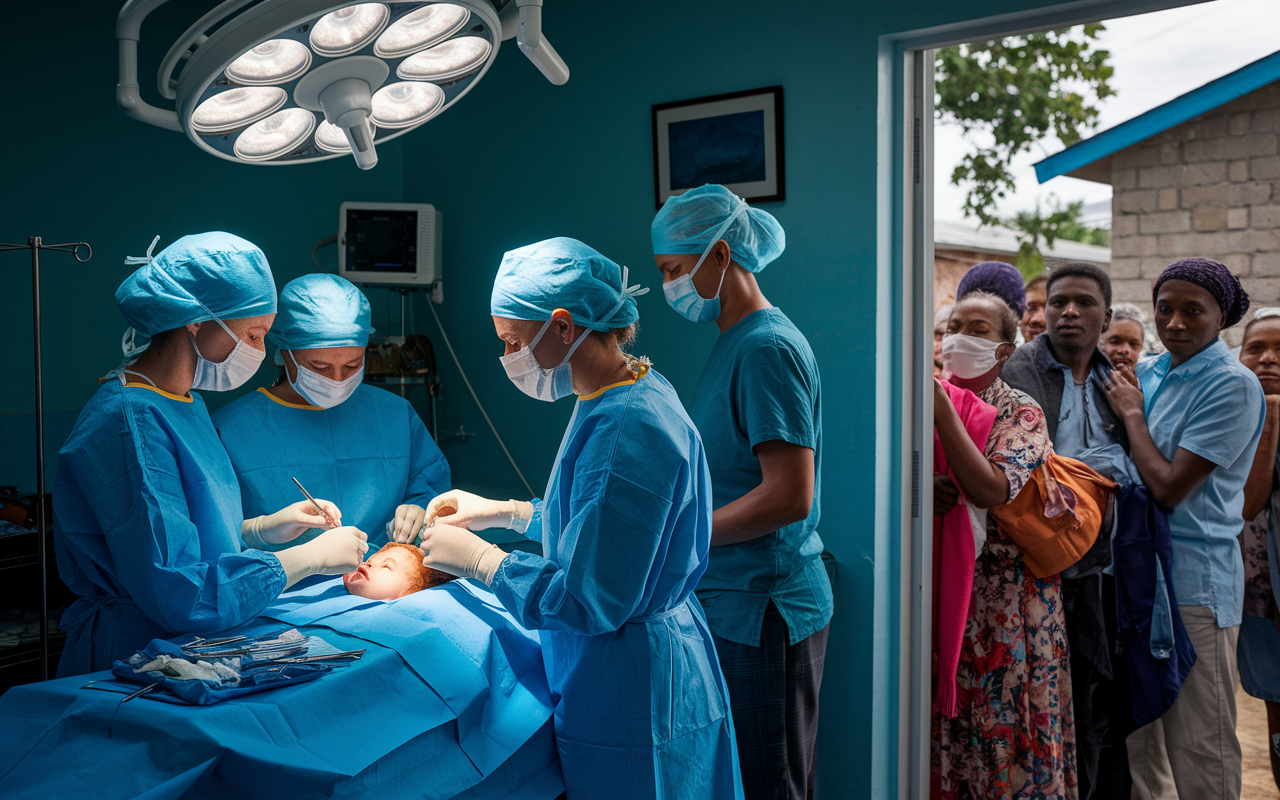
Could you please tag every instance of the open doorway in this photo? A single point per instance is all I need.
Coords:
(1100, 193)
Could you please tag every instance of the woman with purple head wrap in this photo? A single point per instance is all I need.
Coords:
(1194, 416)
(1001, 279)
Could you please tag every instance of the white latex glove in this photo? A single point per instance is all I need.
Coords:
(460, 552)
(288, 523)
(408, 522)
(466, 510)
(334, 552)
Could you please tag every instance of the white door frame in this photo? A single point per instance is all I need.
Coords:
(904, 375)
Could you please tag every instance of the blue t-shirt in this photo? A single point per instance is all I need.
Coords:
(1213, 406)
(761, 384)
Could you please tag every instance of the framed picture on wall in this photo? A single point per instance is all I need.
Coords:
(732, 139)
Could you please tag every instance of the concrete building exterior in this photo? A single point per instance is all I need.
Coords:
(1199, 176)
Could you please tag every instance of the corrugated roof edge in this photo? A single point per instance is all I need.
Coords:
(1161, 118)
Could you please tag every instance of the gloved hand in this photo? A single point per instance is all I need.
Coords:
(334, 552)
(473, 512)
(408, 522)
(460, 552)
(288, 523)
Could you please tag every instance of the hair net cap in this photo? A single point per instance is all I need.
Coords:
(686, 224)
(195, 279)
(320, 310)
(535, 280)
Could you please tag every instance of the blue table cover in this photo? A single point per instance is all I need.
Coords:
(449, 700)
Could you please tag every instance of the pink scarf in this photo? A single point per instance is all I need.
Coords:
(953, 553)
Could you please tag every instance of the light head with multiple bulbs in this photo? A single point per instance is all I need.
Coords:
(296, 81)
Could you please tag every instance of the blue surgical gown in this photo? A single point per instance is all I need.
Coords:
(146, 523)
(761, 384)
(625, 526)
(366, 455)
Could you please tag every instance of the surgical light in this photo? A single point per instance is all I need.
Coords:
(400, 105)
(236, 108)
(422, 28)
(347, 30)
(281, 133)
(296, 81)
(270, 63)
(446, 62)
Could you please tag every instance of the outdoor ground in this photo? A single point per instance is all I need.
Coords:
(1251, 725)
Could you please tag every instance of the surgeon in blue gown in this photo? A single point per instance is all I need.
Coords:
(359, 445)
(146, 512)
(625, 526)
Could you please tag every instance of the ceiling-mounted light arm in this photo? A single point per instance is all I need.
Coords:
(535, 46)
(128, 30)
(195, 35)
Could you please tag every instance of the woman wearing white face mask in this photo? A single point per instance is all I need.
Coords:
(147, 517)
(625, 523)
(359, 444)
(1014, 733)
(758, 407)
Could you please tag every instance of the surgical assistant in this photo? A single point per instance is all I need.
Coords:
(625, 526)
(758, 406)
(358, 445)
(147, 517)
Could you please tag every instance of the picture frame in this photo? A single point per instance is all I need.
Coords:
(732, 139)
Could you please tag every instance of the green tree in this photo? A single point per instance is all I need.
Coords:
(1019, 89)
(1061, 222)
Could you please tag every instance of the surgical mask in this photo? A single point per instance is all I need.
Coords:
(681, 294)
(536, 380)
(233, 371)
(552, 384)
(968, 357)
(320, 391)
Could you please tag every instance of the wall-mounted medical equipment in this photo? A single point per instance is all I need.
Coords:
(389, 244)
(296, 81)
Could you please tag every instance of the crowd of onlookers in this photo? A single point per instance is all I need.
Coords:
(1103, 534)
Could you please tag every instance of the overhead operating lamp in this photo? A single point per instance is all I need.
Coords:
(296, 81)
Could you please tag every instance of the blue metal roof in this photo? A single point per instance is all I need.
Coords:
(1190, 105)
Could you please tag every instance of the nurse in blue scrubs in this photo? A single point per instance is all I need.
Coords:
(360, 445)
(146, 509)
(758, 407)
(642, 710)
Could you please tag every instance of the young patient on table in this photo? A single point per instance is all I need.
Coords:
(393, 572)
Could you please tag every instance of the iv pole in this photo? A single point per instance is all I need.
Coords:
(35, 246)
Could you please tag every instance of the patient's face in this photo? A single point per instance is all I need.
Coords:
(387, 575)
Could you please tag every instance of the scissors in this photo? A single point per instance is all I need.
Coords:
(328, 519)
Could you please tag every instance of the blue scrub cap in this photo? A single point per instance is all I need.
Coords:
(686, 224)
(195, 279)
(320, 310)
(535, 280)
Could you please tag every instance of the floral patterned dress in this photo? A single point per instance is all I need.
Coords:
(1015, 734)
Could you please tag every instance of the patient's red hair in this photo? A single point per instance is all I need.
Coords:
(423, 577)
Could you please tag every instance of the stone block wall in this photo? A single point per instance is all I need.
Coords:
(1208, 187)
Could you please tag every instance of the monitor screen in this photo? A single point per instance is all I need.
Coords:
(382, 241)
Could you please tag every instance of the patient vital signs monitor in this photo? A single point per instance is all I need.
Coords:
(393, 244)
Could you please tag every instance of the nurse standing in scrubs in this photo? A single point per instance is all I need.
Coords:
(641, 710)
(758, 407)
(146, 509)
(360, 445)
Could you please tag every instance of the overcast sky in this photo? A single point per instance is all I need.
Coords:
(1157, 57)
